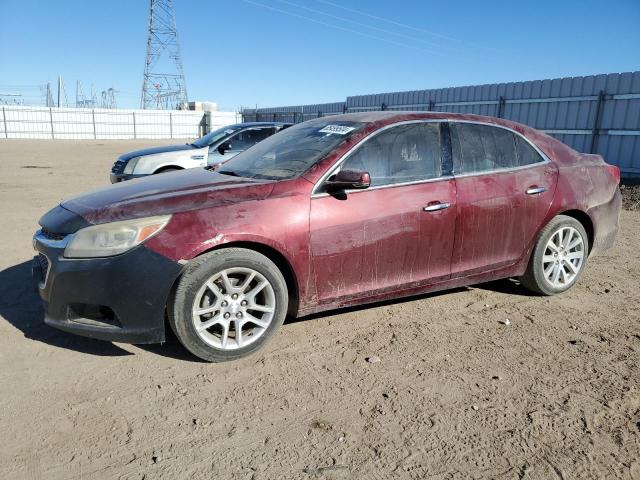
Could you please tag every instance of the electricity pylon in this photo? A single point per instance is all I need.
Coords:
(108, 98)
(163, 84)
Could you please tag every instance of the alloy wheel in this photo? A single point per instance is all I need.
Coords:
(233, 308)
(563, 257)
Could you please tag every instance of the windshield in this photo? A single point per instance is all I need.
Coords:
(215, 136)
(291, 152)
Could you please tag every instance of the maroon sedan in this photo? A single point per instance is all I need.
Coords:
(342, 210)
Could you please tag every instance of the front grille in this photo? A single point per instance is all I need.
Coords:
(118, 166)
(44, 265)
(52, 236)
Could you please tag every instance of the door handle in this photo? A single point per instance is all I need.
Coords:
(535, 190)
(436, 207)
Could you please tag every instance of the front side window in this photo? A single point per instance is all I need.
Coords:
(405, 153)
(481, 148)
(215, 136)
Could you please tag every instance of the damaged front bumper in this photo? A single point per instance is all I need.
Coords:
(120, 298)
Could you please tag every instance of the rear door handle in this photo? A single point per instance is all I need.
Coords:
(535, 190)
(436, 206)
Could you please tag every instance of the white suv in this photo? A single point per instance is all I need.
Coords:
(212, 149)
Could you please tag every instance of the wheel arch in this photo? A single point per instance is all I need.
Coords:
(276, 257)
(585, 221)
(167, 167)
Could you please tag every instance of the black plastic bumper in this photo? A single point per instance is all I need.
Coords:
(119, 299)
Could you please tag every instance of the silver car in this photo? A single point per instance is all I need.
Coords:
(214, 148)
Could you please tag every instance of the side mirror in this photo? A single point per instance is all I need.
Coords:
(349, 180)
(223, 147)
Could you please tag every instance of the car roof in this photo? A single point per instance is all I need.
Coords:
(388, 117)
(261, 124)
(549, 145)
(398, 115)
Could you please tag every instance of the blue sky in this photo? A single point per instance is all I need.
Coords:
(288, 52)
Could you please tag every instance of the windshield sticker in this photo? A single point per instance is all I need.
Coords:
(229, 132)
(339, 129)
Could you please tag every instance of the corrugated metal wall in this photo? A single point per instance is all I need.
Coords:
(294, 114)
(593, 114)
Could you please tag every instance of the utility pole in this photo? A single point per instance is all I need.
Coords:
(163, 84)
(59, 88)
(49, 95)
(62, 93)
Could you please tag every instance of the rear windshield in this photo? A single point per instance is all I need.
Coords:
(291, 152)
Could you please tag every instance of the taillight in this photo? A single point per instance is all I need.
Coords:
(615, 173)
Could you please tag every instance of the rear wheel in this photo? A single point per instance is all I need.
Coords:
(228, 303)
(558, 258)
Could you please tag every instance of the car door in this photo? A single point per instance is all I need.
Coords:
(365, 242)
(502, 197)
(238, 143)
(535, 184)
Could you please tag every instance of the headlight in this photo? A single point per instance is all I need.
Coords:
(113, 238)
(131, 165)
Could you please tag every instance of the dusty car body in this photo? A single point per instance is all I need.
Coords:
(379, 237)
(214, 148)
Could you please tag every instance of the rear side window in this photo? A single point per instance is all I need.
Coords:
(527, 155)
(406, 153)
(480, 148)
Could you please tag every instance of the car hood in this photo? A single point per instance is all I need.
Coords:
(165, 193)
(153, 150)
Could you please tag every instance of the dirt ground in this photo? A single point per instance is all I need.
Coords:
(631, 196)
(456, 393)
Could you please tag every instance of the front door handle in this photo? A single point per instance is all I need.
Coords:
(434, 207)
(535, 190)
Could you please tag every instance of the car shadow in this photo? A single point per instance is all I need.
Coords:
(510, 286)
(171, 348)
(367, 306)
(21, 306)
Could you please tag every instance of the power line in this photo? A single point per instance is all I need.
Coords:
(342, 19)
(393, 22)
(331, 25)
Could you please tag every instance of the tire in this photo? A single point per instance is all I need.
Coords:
(545, 262)
(213, 279)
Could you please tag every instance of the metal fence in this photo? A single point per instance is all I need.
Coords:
(592, 114)
(295, 114)
(83, 123)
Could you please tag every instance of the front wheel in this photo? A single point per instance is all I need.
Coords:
(558, 258)
(228, 303)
